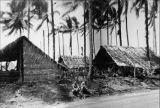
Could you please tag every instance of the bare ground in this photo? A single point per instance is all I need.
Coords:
(48, 94)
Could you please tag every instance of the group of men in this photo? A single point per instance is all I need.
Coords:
(80, 91)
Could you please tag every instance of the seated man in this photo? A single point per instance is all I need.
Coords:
(76, 90)
(84, 90)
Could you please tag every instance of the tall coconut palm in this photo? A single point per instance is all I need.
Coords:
(90, 73)
(16, 20)
(76, 27)
(40, 7)
(119, 21)
(152, 13)
(125, 4)
(73, 5)
(152, 23)
(114, 22)
(53, 32)
(61, 30)
(138, 5)
(45, 18)
(68, 28)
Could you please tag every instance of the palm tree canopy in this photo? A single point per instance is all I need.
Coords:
(16, 20)
(39, 6)
(76, 22)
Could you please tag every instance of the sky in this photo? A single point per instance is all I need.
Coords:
(134, 25)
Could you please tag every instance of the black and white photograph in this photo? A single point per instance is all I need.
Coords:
(79, 53)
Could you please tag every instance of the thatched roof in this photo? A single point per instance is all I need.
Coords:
(69, 62)
(128, 56)
(12, 50)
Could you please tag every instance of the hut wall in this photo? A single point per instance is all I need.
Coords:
(37, 65)
(9, 76)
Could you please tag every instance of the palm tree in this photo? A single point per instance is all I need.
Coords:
(40, 7)
(76, 27)
(152, 22)
(61, 30)
(114, 22)
(90, 73)
(152, 13)
(53, 32)
(119, 21)
(125, 6)
(16, 20)
(68, 28)
(73, 5)
(45, 18)
(138, 5)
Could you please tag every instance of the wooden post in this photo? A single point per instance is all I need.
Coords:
(134, 74)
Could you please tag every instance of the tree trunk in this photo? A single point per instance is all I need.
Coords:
(93, 43)
(43, 41)
(63, 43)
(48, 36)
(137, 38)
(78, 43)
(146, 24)
(20, 33)
(28, 19)
(107, 29)
(111, 40)
(126, 18)
(59, 44)
(71, 43)
(154, 37)
(52, 13)
(116, 34)
(85, 35)
(101, 37)
(90, 73)
(119, 22)
(159, 28)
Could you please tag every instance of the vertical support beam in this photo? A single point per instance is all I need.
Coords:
(21, 62)
(134, 74)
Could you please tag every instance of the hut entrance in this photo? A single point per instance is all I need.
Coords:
(9, 71)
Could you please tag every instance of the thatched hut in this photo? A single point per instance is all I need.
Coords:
(32, 63)
(128, 57)
(72, 62)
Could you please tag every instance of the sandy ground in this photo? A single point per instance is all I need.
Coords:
(46, 95)
(142, 98)
(147, 99)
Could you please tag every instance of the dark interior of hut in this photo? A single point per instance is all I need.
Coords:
(9, 71)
